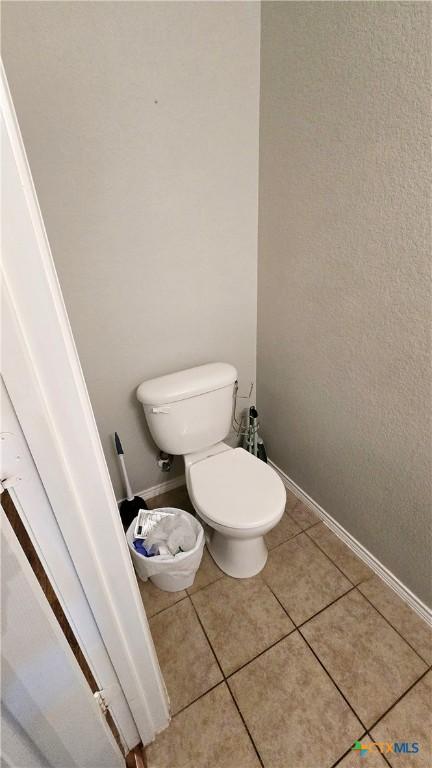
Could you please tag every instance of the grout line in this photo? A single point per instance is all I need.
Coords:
(290, 538)
(207, 638)
(393, 627)
(392, 705)
(194, 701)
(384, 714)
(162, 610)
(261, 653)
(366, 598)
(344, 594)
(211, 648)
(349, 750)
(318, 522)
(381, 753)
(188, 594)
(378, 568)
(333, 681)
(318, 659)
(225, 681)
(299, 501)
(295, 535)
(204, 586)
(303, 530)
(329, 558)
(244, 723)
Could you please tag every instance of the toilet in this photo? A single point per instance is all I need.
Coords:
(237, 496)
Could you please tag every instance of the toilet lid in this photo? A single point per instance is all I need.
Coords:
(236, 489)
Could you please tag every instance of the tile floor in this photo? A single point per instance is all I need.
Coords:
(290, 668)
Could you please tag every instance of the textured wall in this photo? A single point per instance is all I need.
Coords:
(140, 121)
(344, 292)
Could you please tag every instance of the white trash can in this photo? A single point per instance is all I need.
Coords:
(171, 574)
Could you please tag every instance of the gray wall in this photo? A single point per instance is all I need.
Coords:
(344, 292)
(140, 122)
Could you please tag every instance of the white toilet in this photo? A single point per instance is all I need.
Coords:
(241, 498)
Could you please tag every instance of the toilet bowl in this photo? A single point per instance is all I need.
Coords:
(239, 497)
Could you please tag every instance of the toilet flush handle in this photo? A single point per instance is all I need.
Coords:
(160, 410)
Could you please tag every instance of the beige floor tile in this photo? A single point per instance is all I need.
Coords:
(368, 760)
(400, 615)
(303, 578)
(295, 715)
(241, 618)
(366, 658)
(410, 721)
(283, 531)
(354, 569)
(207, 573)
(178, 497)
(155, 599)
(187, 662)
(291, 500)
(303, 516)
(208, 734)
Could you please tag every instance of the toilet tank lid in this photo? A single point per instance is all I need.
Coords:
(185, 384)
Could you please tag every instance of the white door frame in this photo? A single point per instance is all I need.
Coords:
(44, 380)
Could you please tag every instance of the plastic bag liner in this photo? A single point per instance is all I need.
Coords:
(170, 573)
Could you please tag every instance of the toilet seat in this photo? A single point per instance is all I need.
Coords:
(236, 490)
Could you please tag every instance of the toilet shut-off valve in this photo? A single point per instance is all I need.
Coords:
(165, 461)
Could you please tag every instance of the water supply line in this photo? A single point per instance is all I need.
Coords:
(237, 424)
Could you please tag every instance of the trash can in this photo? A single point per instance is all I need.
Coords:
(171, 573)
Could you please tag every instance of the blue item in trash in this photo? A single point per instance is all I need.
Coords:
(139, 546)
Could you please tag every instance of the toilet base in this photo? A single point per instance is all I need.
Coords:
(240, 558)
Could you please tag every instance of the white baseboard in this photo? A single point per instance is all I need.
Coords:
(387, 576)
(155, 490)
(167, 485)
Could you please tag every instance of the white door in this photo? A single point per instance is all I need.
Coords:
(49, 716)
(32, 504)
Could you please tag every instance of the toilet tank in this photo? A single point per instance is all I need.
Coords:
(189, 410)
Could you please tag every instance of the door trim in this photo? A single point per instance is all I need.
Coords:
(43, 376)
